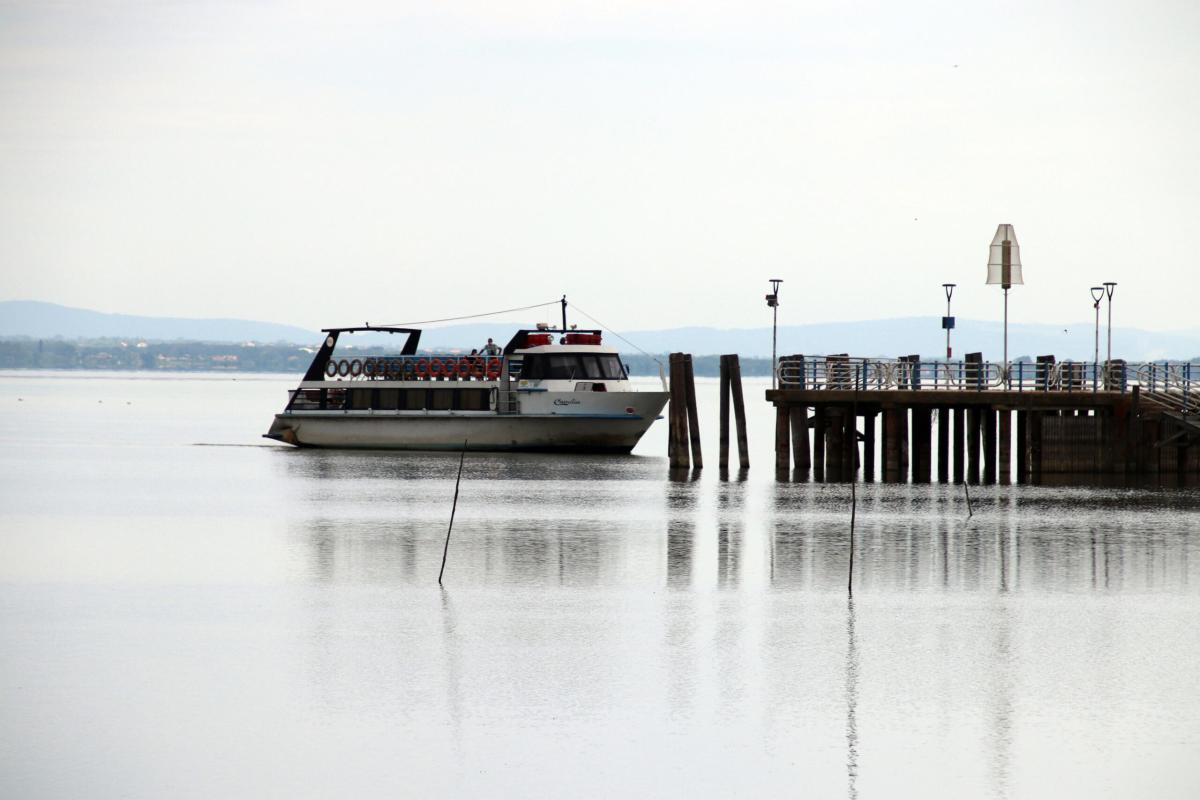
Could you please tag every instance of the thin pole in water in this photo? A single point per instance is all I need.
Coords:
(453, 508)
(967, 492)
(853, 499)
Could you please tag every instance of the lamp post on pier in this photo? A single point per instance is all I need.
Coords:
(773, 304)
(948, 321)
(1108, 290)
(1004, 268)
(1097, 296)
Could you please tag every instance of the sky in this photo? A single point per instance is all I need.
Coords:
(324, 164)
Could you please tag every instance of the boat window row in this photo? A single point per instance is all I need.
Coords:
(391, 400)
(572, 366)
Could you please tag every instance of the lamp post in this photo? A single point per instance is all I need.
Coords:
(1108, 290)
(948, 321)
(773, 304)
(1004, 268)
(1097, 296)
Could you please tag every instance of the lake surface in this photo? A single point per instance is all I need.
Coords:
(189, 611)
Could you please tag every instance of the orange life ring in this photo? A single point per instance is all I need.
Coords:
(493, 369)
(343, 368)
(368, 367)
(355, 368)
(478, 368)
(436, 367)
(422, 367)
(331, 368)
(464, 367)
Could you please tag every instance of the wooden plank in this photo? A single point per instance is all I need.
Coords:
(689, 386)
(1004, 444)
(891, 445)
(835, 451)
(869, 446)
(739, 411)
(920, 445)
(723, 441)
(819, 426)
(782, 439)
(679, 456)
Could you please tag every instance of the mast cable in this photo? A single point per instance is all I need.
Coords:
(469, 316)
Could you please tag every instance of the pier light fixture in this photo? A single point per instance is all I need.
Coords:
(948, 321)
(1097, 296)
(1108, 290)
(1004, 268)
(773, 304)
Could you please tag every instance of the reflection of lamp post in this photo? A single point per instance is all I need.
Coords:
(773, 304)
(1097, 296)
(948, 321)
(1004, 268)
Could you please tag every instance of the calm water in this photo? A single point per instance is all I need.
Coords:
(186, 612)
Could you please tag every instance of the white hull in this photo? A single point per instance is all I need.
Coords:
(610, 422)
(486, 431)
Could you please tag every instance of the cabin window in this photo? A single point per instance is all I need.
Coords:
(335, 398)
(473, 399)
(610, 366)
(306, 399)
(389, 399)
(591, 366)
(360, 399)
(441, 399)
(414, 399)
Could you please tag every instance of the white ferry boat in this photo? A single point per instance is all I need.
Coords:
(549, 389)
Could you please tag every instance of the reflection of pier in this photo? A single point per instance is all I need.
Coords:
(1080, 419)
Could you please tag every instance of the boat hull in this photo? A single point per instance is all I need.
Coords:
(570, 433)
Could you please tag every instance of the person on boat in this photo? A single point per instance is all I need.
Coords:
(491, 348)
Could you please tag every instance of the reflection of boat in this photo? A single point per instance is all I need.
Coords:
(572, 395)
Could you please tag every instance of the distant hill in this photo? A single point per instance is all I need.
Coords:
(48, 320)
(891, 337)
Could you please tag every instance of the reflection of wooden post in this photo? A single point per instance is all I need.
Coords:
(782, 443)
(689, 384)
(869, 445)
(819, 442)
(960, 438)
(943, 445)
(739, 410)
(678, 416)
(1005, 446)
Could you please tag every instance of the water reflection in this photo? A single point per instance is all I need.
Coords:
(851, 702)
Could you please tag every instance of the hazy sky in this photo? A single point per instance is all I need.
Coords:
(656, 161)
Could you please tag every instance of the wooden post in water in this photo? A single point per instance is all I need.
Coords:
(989, 445)
(835, 448)
(960, 438)
(869, 445)
(943, 445)
(1004, 436)
(739, 411)
(1022, 447)
(1035, 446)
(723, 443)
(891, 444)
(973, 425)
(799, 424)
(819, 425)
(782, 440)
(850, 438)
(920, 436)
(689, 385)
(677, 430)
(902, 438)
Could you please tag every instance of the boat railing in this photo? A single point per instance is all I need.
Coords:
(1179, 383)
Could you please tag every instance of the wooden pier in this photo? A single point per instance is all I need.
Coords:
(1071, 419)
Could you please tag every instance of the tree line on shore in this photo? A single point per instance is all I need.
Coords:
(184, 356)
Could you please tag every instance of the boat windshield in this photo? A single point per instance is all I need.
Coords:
(569, 366)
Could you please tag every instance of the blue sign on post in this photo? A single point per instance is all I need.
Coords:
(948, 323)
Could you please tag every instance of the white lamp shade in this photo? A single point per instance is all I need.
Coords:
(1004, 258)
